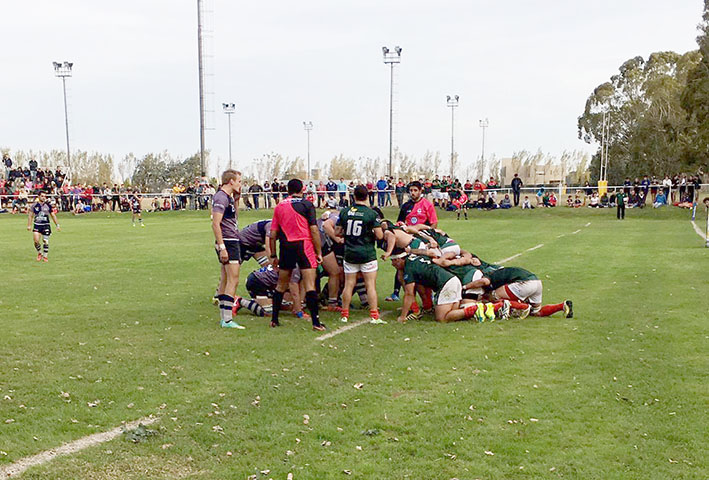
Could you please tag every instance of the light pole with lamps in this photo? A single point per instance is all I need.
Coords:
(483, 124)
(63, 71)
(391, 58)
(452, 103)
(229, 109)
(308, 126)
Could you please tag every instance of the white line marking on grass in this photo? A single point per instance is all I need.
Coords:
(562, 235)
(347, 327)
(574, 233)
(23, 464)
(520, 254)
(588, 224)
(698, 230)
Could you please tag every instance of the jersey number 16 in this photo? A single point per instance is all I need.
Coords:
(354, 227)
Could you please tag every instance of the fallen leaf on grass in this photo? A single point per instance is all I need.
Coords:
(347, 472)
(306, 419)
(488, 452)
(358, 386)
(533, 419)
(371, 432)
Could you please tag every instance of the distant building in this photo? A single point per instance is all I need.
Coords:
(549, 174)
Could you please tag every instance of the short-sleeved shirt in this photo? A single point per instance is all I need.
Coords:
(224, 203)
(440, 238)
(292, 219)
(358, 223)
(486, 267)
(416, 213)
(422, 271)
(507, 275)
(41, 213)
(268, 276)
(256, 234)
(463, 272)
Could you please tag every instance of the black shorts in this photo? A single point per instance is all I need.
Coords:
(43, 229)
(248, 251)
(256, 288)
(300, 253)
(136, 210)
(233, 249)
(339, 249)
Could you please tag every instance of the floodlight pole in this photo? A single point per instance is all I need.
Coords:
(452, 103)
(229, 109)
(483, 124)
(391, 58)
(201, 88)
(308, 126)
(63, 70)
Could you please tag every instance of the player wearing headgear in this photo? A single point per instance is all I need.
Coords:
(38, 222)
(135, 207)
(520, 285)
(225, 226)
(254, 242)
(447, 287)
(360, 227)
(294, 225)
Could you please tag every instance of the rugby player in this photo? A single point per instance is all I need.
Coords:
(225, 225)
(135, 207)
(520, 285)
(436, 238)
(254, 242)
(333, 251)
(38, 223)
(360, 227)
(261, 284)
(397, 240)
(294, 225)
(422, 271)
(416, 211)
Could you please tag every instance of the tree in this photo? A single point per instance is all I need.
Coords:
(695, 100)
(648, 128)
(341, 167)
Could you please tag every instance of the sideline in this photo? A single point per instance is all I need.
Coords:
(18, 467)
(698, 230)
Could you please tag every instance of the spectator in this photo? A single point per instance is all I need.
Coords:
(505, 202)
(516, 188)
(321, 194)
(7, 162)
(570, 201)
(381, 192)
(33, 169)
(342, 191)
(540, 195)
(275, 191)
(526, 204)
(594, 201)
(255, 191)
(660, 200)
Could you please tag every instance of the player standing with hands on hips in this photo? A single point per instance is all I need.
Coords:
(225, 225)
(294, 225)
(38, 222)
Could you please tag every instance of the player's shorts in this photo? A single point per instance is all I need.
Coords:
(339, 249)
(42, 229)
(297, 254)
(248, 251)
(451, 292)
(450, 247)
(257, 288)
(136, 210)
(368, 267)
(437, 194)
(233, 249)
(325, 244)
(445, 196)
(528, 291)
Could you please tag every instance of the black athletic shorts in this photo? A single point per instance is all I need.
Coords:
(43, 229)
(339, 249)
(136, 210)
(256, 288)
(233, 249)
(247, 251)
(300, 253)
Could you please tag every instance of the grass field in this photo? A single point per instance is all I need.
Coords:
(119, 326)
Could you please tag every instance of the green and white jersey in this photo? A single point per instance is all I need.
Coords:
(463, 272)
(424, 272)
(487, 267)
(358, 223)
(507, 275)
(440, 238)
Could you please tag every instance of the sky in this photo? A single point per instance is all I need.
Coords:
(528, 67)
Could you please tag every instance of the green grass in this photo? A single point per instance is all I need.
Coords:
(122, 315)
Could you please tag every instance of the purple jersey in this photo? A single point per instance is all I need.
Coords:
(256, 234)
(41, 213)
(268, 276)
(224, 204)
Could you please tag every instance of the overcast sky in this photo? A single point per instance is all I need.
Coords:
(527, 66)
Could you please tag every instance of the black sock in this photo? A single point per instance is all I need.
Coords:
(38, 247)
(277, 301)
(311, 300)
(361, 291)
(253, 306)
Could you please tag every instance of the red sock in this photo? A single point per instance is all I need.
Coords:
(550, 310)
(518, 305)
(345, 313)
(469, 311)
(374, 314)
(498, 305)
(414, 308)
(427, 299)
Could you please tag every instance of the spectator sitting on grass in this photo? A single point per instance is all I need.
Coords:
(604, 201)
(527, 204)
(660, 199)
(577, 202)
(594, 201)
(552, 200)
(505, 202)
(570, 201)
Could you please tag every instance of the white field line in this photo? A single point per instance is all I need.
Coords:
(574, 233)
(588, 224)
(505, 260)
(698, 230)
(347, 327)
(23, 464)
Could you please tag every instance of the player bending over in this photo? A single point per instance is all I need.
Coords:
(226, 237)
(448, 288)
(520, 285)
(295, 227)
(38, 223)
(254, 242)
(360, 227)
